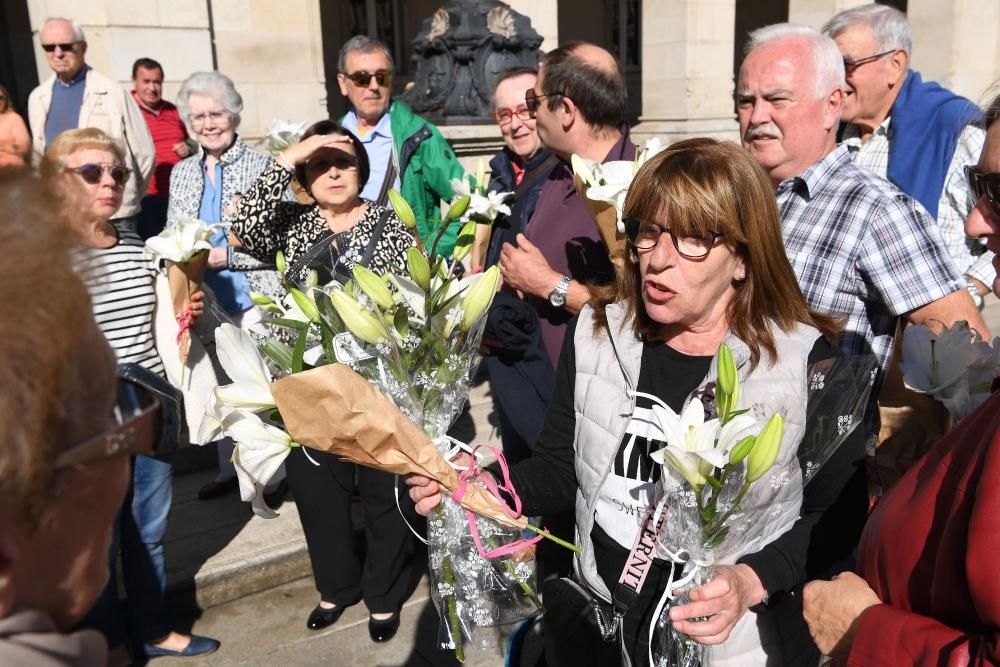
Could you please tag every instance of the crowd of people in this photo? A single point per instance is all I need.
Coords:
(860, 200)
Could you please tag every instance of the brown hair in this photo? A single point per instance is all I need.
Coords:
(699, 186)
(325, 127)
(54, 161)
(41, 405)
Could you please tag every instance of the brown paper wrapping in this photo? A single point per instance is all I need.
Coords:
(606, 217)
(333, 409)
(185, 279)
(480, 246)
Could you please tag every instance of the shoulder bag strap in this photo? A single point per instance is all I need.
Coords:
(533, 176)
(637, 565)
(307, 260)
(390, 178)
(366, 258)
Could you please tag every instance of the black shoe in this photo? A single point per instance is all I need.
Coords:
(383, 631)
(216, 489)
(323, 618)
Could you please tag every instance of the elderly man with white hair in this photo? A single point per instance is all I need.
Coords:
(77, 96)
(914, 132)
(861, 247)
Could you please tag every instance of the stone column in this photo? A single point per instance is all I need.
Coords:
(817, 12)
(957, 43)
(687, 78)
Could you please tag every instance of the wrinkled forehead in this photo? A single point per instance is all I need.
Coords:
(369, 61)
(776, 66)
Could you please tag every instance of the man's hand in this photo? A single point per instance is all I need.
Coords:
(832, 609)
(182, 149)
(525, 268)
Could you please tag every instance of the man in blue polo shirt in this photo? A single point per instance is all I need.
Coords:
(77, 96)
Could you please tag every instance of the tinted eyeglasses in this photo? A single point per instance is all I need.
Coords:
(505, 116)
(851, 65)
(49, 48)
(363, 79)
(92, 173)
(531, 100)
(645, 235)
(138, 418)
(985, 185)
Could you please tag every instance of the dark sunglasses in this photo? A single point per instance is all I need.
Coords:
(49, 48)
(505, 116)
(985, 185)
(851, 65)
(363, 79)
(531, 100)
(138, 417)
(92, 173)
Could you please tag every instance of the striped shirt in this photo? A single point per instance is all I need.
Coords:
(121, 283)
(862, 249)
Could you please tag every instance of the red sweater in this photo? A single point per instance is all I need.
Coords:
(168, 130)
(931, 551)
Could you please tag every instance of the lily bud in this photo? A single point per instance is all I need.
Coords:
(765, 451)
(260, 299)
(373, 286)
(419, 269)
(402, 209)
(312, 279)
(361, 323)
(305, 304)
(481, 174)
(458, 208)
(463, 244)
(727, 386)
(742, 449)
(279, 261)
(477, 301)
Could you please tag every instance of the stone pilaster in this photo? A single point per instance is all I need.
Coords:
(817, 12)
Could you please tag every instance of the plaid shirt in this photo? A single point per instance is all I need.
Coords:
(862, 249)
(970, 255)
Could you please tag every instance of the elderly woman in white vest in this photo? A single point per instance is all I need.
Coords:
(706, 265)
(208, 185)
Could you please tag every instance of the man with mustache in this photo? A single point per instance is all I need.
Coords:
(860, 247)
(405, 152)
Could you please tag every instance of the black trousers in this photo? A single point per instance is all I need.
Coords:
(323, 496)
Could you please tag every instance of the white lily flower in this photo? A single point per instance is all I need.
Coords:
(692, 450)
(282, 134)
(182, 240)
(933, 362)
(584, 168)
(259, 452)
(460, 187)
(211, 427)
(488, 206)
(653, 146)
(238, 354)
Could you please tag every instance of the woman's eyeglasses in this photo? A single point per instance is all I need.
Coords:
(645, 235)
(216, 116)
(362, 79)
(92, 173)
(985, 185)
(505, 116)
(138, 418)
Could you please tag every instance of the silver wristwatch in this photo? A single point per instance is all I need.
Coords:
(557, 297)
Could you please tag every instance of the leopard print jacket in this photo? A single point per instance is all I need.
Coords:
(265, 224)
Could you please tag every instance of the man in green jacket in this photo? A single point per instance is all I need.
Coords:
(405, 151)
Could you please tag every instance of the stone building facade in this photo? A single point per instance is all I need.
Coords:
(679, 55)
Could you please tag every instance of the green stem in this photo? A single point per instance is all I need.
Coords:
(715, 525)
(509, 566)
(449, 579)
(560, 542)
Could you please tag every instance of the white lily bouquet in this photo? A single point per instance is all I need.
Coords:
(283, 134)
(484, 207)
(604, 186)
(733, 483)
(390, 373)
(184, 247)
(956, 366)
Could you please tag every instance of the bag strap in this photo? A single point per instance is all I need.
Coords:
(638, 563)
(390, 178)
(323, 244)
(534, 176)
(366, 258)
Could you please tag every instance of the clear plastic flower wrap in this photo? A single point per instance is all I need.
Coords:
(747, 486)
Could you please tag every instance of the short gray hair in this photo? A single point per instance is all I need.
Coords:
(888, 25)
(827, 59)
(77, 30)
(362, 44)
(216, 85)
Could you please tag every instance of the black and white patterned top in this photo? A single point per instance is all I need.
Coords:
(265, 224)
(121, 284)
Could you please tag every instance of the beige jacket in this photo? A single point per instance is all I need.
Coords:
(108, 107)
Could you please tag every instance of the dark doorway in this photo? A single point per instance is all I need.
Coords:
(18, 72)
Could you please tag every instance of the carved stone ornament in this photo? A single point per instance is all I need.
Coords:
(458, 54)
